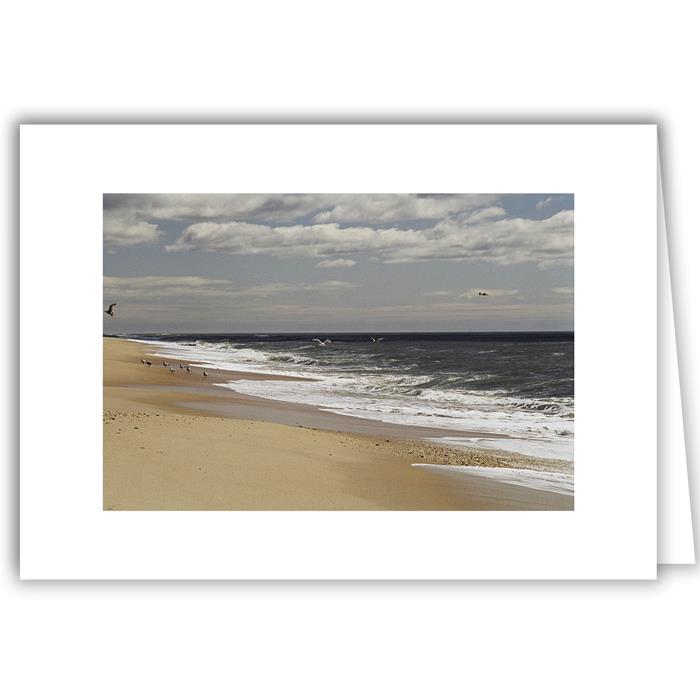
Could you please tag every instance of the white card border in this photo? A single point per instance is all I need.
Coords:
(610, 169)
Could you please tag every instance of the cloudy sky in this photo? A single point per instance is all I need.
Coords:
(338, 262)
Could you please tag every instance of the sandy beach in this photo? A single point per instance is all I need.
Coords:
(178, 442)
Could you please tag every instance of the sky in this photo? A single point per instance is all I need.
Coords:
(234, 263)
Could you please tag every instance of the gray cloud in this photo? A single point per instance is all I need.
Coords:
(128, 218)
(176, 287)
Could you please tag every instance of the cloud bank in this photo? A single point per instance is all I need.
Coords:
(172, 287)
(545, 242)
(394, 228)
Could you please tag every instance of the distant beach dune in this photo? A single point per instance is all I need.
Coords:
(175, 441)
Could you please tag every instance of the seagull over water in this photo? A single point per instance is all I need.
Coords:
(376, 340)
(110, 310)
(322, 342)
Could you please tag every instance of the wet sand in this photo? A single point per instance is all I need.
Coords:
(178, 442)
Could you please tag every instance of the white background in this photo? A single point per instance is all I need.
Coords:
(66, 534)
(504, 61)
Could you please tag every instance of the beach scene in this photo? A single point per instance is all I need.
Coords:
(338, 352)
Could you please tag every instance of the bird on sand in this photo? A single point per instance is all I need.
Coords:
(188, 368)
(172, 370)
(148, 362)
(483, 294)
(181, 367)
(143, 362)
(110, 310)
(205, 373)
(376, 340)
(322, 342)
(165, 364)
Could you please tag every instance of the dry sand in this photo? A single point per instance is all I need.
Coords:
(177, 442)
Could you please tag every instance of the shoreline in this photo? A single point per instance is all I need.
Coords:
(287, 412)
(202, 446)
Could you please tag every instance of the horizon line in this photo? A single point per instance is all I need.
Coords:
(326, 332)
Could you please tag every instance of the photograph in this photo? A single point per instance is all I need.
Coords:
(333, 352)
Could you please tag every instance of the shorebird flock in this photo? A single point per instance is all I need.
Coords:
(171, 368)
(186, 368)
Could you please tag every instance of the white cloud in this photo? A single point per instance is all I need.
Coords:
(339, 262)
(287, 288)
(164, 291)
(485, 214)
(128, 230)
(316, 240)
(547, 242)
(382, 208)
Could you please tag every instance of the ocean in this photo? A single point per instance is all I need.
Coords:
(519, 385)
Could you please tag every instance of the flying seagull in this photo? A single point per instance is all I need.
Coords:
(110, 310)
(376, 340)
(322, 342)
